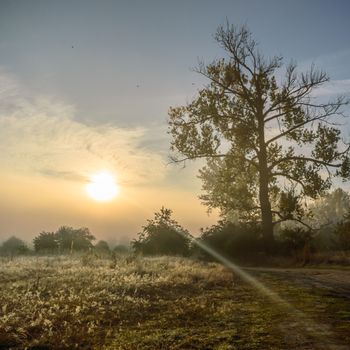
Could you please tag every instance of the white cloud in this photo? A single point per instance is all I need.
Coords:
(39, 136)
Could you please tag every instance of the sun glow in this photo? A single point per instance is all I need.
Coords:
(102, 187)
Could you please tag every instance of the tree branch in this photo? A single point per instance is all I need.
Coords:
(306, 159)
(297, 126)
(291, 178)
(174, 160)
(291, 219)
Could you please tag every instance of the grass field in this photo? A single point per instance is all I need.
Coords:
(160, 303)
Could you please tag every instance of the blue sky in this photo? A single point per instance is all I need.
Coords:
(119, 45)
(99, 76)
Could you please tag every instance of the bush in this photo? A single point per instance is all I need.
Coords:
(342, 234)
(232, 240)
(162, 236)
(294, 239)
(14, 246)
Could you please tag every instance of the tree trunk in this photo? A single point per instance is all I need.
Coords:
(266, 214)
(264, 198)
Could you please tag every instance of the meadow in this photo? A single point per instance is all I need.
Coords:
(86, 302)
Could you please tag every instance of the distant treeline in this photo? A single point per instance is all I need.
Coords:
(326, 229)
(65, 240)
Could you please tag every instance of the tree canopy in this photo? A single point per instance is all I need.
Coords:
(268, 141)
(74, 239)
(46, 242)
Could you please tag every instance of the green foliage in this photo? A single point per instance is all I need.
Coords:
(294, 239)
(46, 242)
(342, 234)
(65, 239)
(162, 235)
(233, 239)
(230, 186)
(324, 214)
(330, 209)
(289, 206)
(14, 246)
(70, 239)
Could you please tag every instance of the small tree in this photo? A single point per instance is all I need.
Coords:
(14, 246)
(83, 239)
(258, 134)
(46, 242)
(162, 235)
(70, 239)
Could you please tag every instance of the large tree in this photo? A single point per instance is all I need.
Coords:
(267, 139)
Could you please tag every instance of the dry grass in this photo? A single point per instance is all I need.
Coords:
(153, 303)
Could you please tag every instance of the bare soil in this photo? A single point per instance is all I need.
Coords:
(335, 282)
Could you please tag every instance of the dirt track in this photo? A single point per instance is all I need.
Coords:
(335, 282)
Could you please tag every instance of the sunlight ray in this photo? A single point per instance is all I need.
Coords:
(313, 329)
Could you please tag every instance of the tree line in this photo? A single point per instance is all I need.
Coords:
(162, 235)
(328, 230)
(66, 240)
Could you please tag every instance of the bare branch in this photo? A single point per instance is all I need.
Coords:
(174, 160)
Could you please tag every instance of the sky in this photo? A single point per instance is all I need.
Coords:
(85, 86)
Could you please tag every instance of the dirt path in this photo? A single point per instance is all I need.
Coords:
(317, 326)
(335, 282)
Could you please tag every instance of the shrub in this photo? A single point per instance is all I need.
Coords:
(294, 239)
(233, 239)
(162, 236)
(14, 246)
(342, 234)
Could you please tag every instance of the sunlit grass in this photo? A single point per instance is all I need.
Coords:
(153, 303)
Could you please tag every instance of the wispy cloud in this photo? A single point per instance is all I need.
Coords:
(39, 135)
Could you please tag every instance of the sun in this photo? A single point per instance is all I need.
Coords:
(102, 187)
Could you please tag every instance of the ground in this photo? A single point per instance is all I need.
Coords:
(169, 303)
